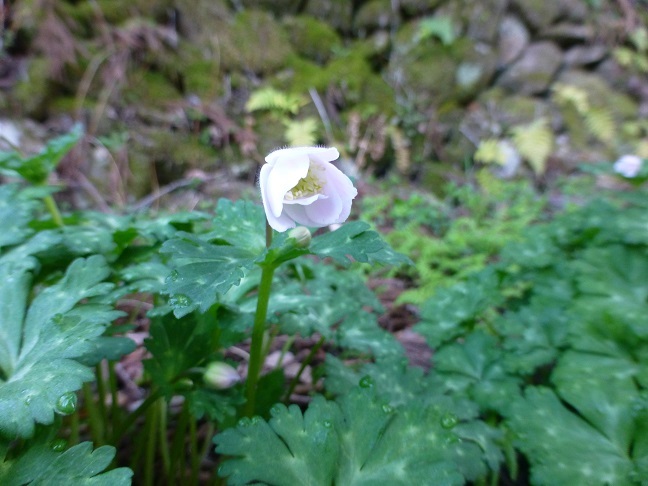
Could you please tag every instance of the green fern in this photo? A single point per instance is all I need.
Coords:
(535, 143)
(300, 133)
(490, 151)
(600, 123)
(270, 99)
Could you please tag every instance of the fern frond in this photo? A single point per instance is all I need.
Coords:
(490, 151)
(535, 143)
(564, 94)
(270, 99)
(600, 123)
(301, 133)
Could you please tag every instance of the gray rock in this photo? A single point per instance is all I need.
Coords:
(375, 14)
(573, 10)
(484, 18)
(534, 71)
(568, 34)
(539, 14)
(513, 39)
(337, 13)
(585, 55)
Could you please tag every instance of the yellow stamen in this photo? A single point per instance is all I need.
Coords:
(306, 187)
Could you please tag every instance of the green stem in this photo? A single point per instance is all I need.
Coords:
(178, 444)
(115, 413)
(130, 420)
(54, 211)
(94, 416)
(101, 397)
(256, 346)
(303, 366)
(74, 427)
(149, 460)
(193, 441)
(164, 443)
(258, 330)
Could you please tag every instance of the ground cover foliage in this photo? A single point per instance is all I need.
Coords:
(539, 373)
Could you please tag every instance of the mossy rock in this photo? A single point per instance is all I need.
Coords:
(508, 111)
(311, 38)
(277, 7)
(203, 22)
(302, 74)
(374, 15)
(254, 42)
(172, 154)
(150, 89)
(417, 7)
(336, 13)
(31, 94)
(194, 69)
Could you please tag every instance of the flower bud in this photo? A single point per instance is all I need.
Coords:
(219, 375)
(301, 236)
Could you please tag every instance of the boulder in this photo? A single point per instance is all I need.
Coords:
(512, 40)
(483, 19)
(585, 55)
(336, 13)
(533, 72)
(567, 34)
(374, 15)
(538, 14)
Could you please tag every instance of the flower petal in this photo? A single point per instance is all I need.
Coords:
(339, 184)
(325, 154)
(286, 172)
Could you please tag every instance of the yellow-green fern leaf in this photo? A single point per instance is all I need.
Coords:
(565, 94)
(535, 143)
(271, 99)
(600, 123)
(301, 133)
(490, 151)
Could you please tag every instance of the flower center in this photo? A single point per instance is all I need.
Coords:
(306, 187)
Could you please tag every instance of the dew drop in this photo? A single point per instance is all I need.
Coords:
(57, 318)
(173, 276)
(276, 410)
(255, 420)
(244, 422)
(387, 408)
(58, 445)
(180, 301)
(366, 382)
(66, 404)
(449, 420)
(327, 424)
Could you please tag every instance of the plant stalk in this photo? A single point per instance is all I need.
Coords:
(54, 211)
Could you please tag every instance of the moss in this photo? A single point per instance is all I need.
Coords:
(255, 42)
(149, 88)
(278, 7)
(312, 38)
(375, 14)
(337, 13)
(30, 95)
(302, 73)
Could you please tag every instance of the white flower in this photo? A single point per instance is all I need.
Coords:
(628, 166)
(301, 186)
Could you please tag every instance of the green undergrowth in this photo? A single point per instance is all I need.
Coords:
(452, 238)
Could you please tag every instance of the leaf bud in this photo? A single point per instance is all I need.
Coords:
(219, 375)
(301, 236)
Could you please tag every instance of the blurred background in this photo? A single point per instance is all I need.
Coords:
(186, 93)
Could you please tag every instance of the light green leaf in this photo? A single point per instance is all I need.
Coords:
(563, 448)
(36, 168)
(354, 241)
(201, 271)
(535, 143)
(41, 345)
(79, 465)
(16, 213)
(356, 441)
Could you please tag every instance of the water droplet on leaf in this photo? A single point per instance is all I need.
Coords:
(387, 408)
(244, 422)
(366, 382)
(449, 420)
(173, 276)
(58, 445)
(327, 424)
(180, 301)
(276, 410)
(255, 420)
(66, 404)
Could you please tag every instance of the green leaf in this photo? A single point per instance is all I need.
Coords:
(79, 465)
(240, 224)
(475, 367)
(37, 168)
(356, 441)
(355, 242)
(40, 345)
(16, 213)
(563, 448)
(602, 389)
(535, 143)
(202, 271)
(452, 310)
